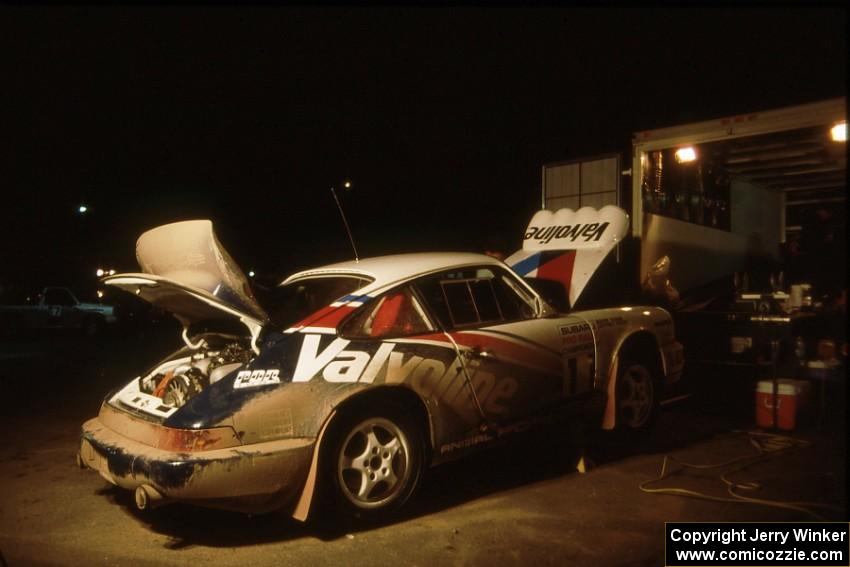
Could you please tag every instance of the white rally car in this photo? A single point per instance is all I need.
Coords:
(356, 376)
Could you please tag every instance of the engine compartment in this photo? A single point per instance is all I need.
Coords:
(184, 375)
(175, 384)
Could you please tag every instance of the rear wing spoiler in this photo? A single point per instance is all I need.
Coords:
(569, 246)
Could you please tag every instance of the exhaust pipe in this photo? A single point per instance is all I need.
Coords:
(147, 497)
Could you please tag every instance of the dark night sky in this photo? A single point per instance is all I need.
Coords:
(442, 117)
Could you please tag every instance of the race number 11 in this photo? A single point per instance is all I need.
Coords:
(578, 374)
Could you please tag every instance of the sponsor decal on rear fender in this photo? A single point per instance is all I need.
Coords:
(430, 370)
(337, 364)
(252, 378)
(373, 362)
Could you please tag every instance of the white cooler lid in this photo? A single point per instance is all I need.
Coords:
(786, 387)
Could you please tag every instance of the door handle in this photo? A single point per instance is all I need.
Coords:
(479, 352)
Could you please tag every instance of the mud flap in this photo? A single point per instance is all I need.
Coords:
(609, 419)
(305, 500)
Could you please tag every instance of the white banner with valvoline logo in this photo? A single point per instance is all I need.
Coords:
(584, 229)
(585, 237)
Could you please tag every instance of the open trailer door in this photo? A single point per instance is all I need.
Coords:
(713, 195)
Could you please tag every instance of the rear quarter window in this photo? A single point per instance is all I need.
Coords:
(397, 313)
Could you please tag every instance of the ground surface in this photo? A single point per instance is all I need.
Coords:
(520, 505)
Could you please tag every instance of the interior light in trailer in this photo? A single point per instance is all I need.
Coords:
(839, 132)
(686, 154)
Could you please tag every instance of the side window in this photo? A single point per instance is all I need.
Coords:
(476, 296)
(514, 300)
(394, 314)
(57, 296)
(461, 305)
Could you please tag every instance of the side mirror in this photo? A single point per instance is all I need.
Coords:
(552, 291)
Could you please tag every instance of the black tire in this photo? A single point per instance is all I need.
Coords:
(373, 463)
(637, 394)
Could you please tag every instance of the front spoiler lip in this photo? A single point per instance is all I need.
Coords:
(251, 478)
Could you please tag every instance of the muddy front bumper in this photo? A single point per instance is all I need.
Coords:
(250, 478)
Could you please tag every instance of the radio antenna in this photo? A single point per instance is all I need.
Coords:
(344, 221)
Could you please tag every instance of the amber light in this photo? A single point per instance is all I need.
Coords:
(190, 440)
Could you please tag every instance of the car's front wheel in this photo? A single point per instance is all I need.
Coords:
(375, 462)
(637, 395)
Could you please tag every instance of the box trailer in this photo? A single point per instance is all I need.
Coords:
(713, 202)
(712, 195)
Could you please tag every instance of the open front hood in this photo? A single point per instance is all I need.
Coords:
(188, 273)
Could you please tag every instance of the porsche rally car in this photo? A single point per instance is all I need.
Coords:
(352, 378)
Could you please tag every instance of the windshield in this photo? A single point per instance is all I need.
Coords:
(288, 304)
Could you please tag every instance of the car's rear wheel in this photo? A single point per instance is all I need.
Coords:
(375, 462)
(637, 395)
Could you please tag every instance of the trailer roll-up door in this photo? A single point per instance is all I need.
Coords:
(590, 182)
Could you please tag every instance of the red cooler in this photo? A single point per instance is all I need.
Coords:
(787, 403)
